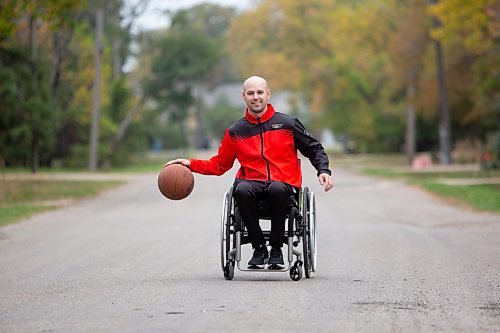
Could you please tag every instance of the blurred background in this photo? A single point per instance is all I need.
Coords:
(93, 84)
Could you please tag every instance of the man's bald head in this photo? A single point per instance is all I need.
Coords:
(256, 94)
(254, 81)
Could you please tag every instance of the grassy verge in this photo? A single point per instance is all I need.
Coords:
(481, 197)
(20, 199)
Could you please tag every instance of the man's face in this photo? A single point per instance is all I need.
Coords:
(256, 95)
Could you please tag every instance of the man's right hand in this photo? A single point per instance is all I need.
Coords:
(182, 161)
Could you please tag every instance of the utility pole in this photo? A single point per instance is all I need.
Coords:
(444, 112)
(94, 128)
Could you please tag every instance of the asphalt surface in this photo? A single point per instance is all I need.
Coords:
(391, 258)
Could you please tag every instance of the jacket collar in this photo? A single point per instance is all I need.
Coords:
(267, 115)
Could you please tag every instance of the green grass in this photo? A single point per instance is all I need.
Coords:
(478, 197)
(380, 172)
(11, 213)
(20, 199)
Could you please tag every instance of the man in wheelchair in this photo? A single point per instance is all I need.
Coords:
(265, 143)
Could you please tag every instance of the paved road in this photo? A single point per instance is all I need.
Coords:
(391, 258)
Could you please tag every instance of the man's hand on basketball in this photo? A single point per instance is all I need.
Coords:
(326, 180)
(182, 161)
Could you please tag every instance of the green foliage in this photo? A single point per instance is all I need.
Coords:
(8, 16)
(219, 117)
(64, 49)
(183, 59)
(29, 119)
(119, 103)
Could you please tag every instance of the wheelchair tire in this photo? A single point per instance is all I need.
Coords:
(229, 271)
(296, 271)
(312, 233)
(226, 237)
(306, 246)
(309, 232)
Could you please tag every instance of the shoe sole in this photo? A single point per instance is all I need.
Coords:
(276, 262)
(259, 266)
(276, 267)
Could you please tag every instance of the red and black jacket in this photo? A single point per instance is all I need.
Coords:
(266, 149)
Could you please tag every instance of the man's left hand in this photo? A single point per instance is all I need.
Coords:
(326, 180)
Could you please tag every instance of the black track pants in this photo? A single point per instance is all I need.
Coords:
(248, 192)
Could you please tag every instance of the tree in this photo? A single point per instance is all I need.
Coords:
(470, 30)
(407, 48)
(28, 121)
(189, 60)
(335, 54)
(32, 17)
(182, 60)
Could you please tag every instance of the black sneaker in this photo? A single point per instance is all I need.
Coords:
(276, 259)
(259, 258)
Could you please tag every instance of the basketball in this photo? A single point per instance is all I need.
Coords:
(175, 181)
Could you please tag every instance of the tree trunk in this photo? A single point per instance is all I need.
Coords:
(35, 156)
(444, 113)
(120, 133)
(94, 129)
(410, 119)
(116, 59)
(34, 145)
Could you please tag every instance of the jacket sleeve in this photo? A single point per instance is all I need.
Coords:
(310, 148)
(218, 164)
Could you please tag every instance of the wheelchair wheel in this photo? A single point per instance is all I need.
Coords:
(312, 232)
(229, 271)
(227, 238)
(305, 231)
(296, 271)
(309, 232)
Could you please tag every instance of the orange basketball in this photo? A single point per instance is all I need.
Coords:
(175, 181)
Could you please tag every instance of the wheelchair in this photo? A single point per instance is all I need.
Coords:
(300, 235)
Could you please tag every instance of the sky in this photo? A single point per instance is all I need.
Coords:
(155, 18)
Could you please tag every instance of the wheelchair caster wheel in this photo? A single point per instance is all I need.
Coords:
(229, 271)
(296, 272)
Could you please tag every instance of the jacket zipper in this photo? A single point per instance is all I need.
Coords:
(262, 150)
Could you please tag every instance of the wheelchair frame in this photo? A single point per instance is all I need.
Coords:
(300, 228)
